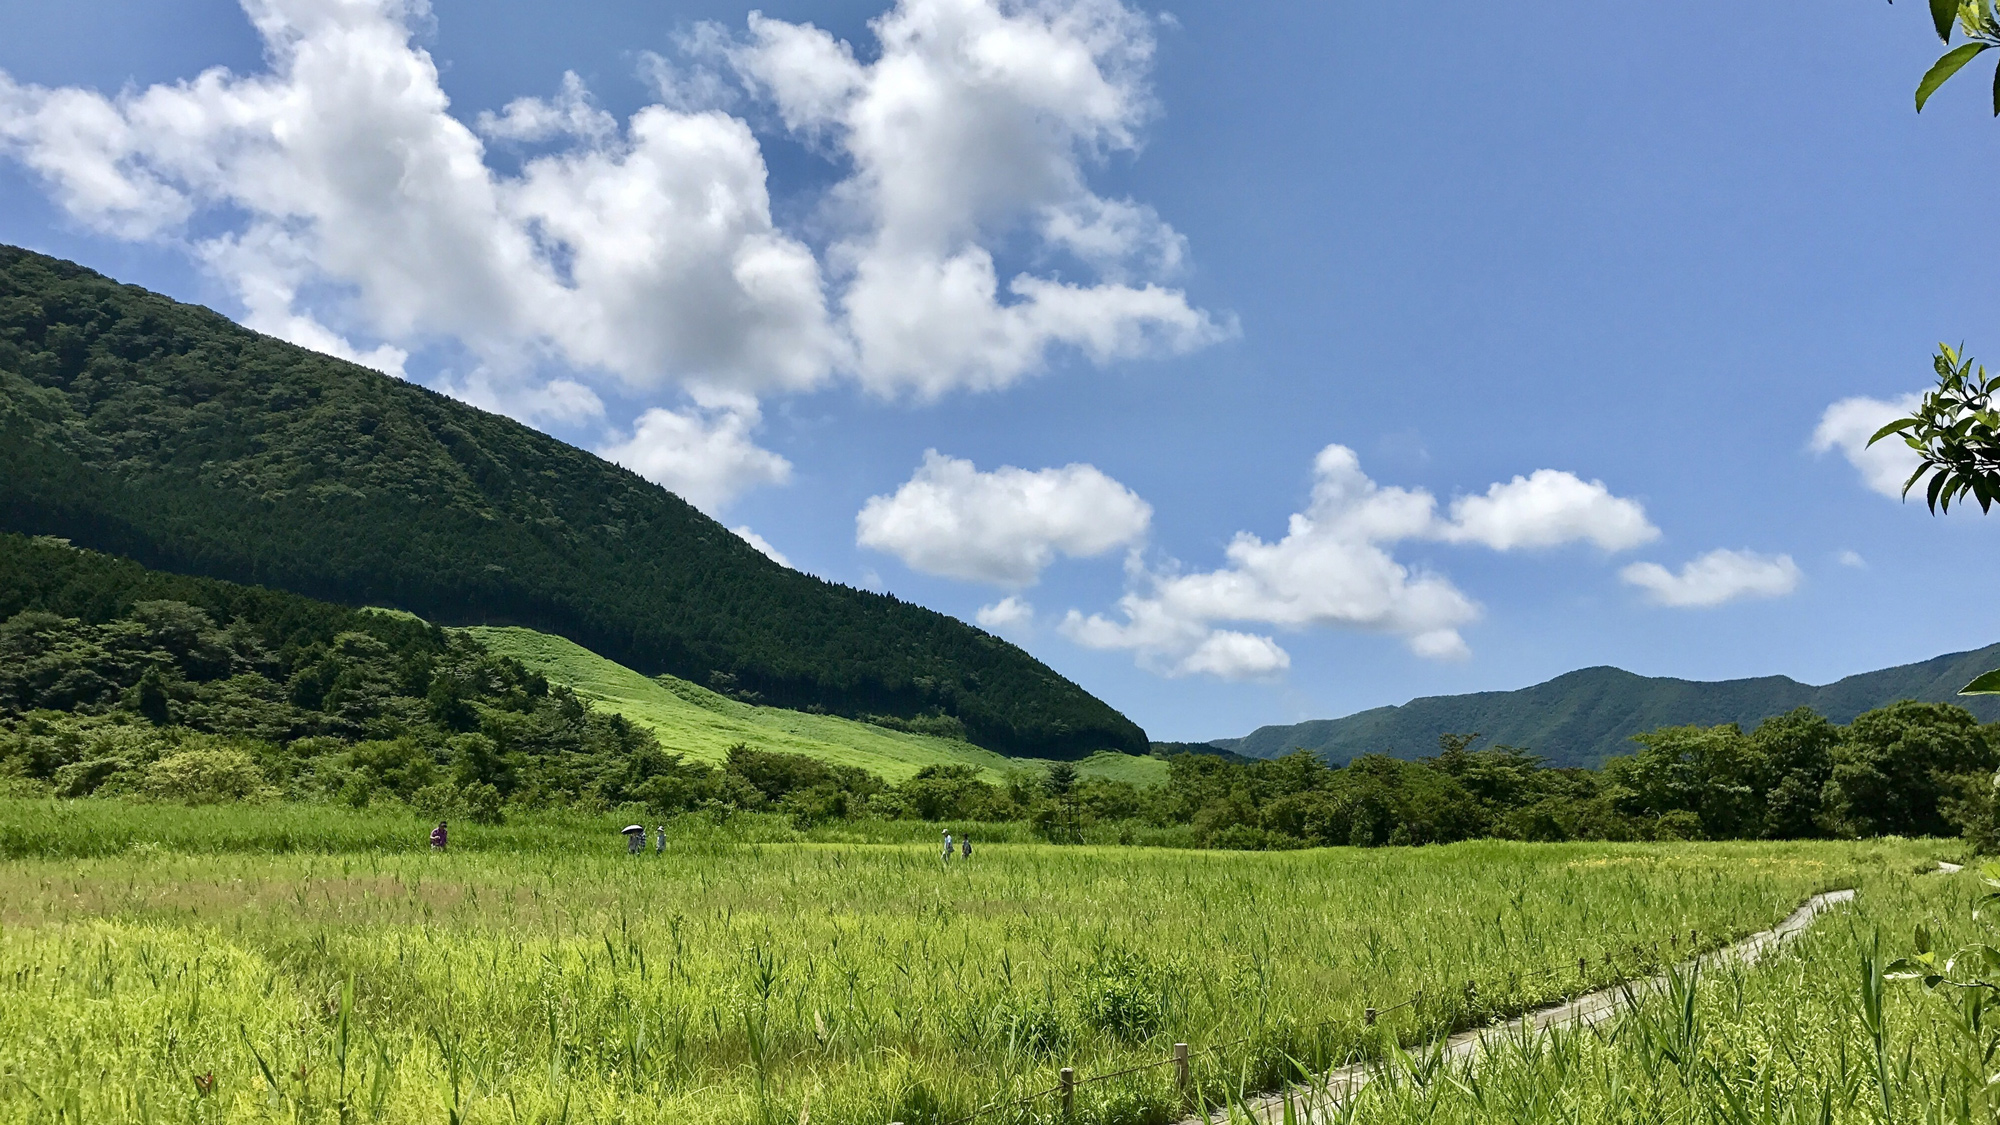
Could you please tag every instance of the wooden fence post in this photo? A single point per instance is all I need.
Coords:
(1180, 1067)
(1067, 1078)
(1368, 1017)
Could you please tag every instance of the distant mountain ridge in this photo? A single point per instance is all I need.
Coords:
(160, 431)
(1583, 717)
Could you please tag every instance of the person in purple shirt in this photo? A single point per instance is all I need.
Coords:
(438, 837)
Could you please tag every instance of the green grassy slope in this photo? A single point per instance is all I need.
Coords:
(163, 432)
(1586, 716)
(703, 725)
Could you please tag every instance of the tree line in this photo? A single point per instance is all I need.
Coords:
(119, 680)
(1909, 769)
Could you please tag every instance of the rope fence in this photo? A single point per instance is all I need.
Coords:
(1067, 1083)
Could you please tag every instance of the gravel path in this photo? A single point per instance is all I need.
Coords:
(1584, 1011)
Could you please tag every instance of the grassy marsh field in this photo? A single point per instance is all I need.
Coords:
(1823, 1032)
(545, 976)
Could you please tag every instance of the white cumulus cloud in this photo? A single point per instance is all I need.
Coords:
(555, 400)
(1335, 567)
(570, 113)
(976, 119)
(1332, 568)
(647, 251)
(1848, 424)
(1011, 614)
(1545, 509)
(763, 545)
(336, 194)
(1716, 577)
(703, 454)
(1229, 655)
(1003, 526)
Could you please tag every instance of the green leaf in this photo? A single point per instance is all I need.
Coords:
(1996, 91)
(1942, 14)
(1948, 64)
(1987, 684)
(1895, 427)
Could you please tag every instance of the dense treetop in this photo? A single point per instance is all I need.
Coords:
(161, 431)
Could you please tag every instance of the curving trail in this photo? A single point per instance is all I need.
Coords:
(1584, 1011)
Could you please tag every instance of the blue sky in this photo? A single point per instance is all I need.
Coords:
(1630, 255)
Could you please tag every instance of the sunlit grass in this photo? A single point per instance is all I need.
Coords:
(1789, 1041)
(547, 976)
(703, 725)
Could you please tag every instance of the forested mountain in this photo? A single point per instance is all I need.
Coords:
(162, 431)
(1583, 717)
(118, 679)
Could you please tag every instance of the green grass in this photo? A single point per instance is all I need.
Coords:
(703, 724)
(42, 828)
(1791, 1041)
(544, 976)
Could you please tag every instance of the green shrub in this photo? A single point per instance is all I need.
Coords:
(1038, 1031)
(207, 775)
(81, 779)
(1680, 824)
(1121, 996)
(481, 803)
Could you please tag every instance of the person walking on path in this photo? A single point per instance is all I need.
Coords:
(965, 846)
(438, 837)
(635, 838)
(660, 840)
(947, 846)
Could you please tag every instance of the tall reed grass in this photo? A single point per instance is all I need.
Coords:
(240, 967)
(1814, 1034)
